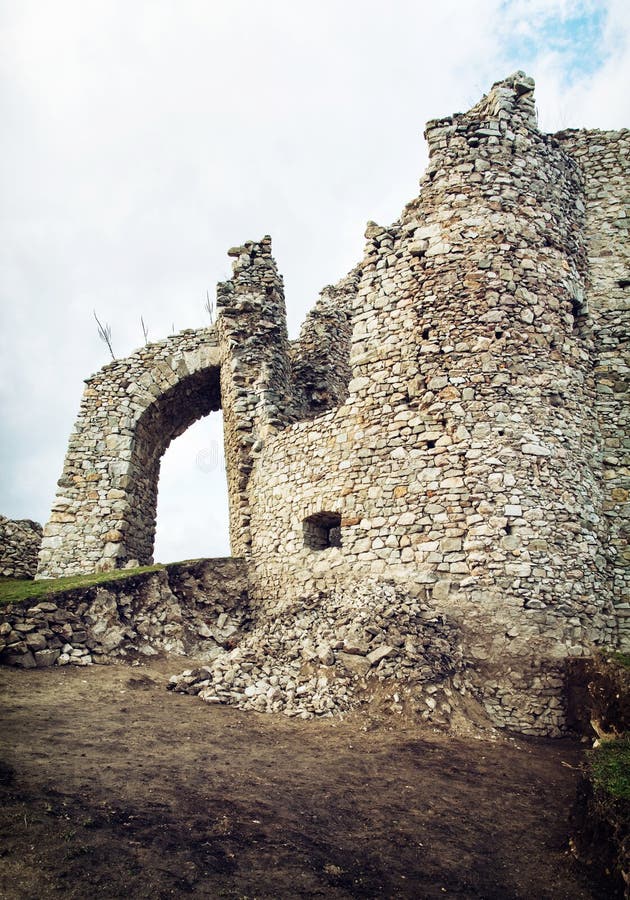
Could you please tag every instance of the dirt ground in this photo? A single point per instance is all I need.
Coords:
(113, 787)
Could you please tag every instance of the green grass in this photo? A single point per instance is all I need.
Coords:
(14, 589)
(610, 767)
(621, 659)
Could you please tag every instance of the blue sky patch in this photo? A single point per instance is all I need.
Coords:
(574, 37)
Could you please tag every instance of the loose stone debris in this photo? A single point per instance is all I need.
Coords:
(322, 655)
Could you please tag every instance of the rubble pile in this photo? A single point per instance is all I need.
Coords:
(325, 654)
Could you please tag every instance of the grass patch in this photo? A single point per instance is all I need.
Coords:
(14, 589)
(621, 659)
(610, 767)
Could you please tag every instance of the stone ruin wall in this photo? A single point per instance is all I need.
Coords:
(104, 513)
(255, 374)
(185, 608)
(452, 412)
(266, 381)
(320, 357)
(20, 541)
(604, 157)
(467, 461)
(103, 516)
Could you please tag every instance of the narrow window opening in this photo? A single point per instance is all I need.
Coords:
(322, 530)
(498, 333)
(509, 529)
(425, 334)
(430, 445)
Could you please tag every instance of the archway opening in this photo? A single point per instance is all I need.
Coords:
(187, 400)
(192, 504)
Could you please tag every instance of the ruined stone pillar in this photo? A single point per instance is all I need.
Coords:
(255, 373)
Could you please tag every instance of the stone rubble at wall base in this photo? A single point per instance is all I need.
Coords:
(330, 653)
(319, 655)
(324, 655)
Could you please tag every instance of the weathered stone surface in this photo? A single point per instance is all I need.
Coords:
(357, 664)
(45, 658)
(186, 608)
(20, 540)
(36, 641)
(24, 660)
(375, 656)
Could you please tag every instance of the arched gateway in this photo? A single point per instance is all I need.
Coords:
(104, 513)
(103, 516)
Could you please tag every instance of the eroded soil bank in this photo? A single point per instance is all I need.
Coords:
(112, 787)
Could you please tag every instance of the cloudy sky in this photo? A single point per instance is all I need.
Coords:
(141, 139)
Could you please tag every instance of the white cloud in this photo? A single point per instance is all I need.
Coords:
(141, 140)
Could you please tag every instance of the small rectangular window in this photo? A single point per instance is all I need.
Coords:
(322, 530)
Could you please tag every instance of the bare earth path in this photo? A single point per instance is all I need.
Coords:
(112, 787)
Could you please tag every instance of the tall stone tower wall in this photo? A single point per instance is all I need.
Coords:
(604, 158)
(467, 460)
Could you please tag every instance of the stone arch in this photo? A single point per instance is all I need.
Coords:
(104, 512)
(189, 399)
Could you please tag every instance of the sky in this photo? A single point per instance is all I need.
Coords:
(140, 140)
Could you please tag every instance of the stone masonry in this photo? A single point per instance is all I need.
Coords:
(189, 608)
(20, 541)
(450, 424)
(103, 516)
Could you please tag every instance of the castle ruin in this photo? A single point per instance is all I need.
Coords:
(451, 420)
